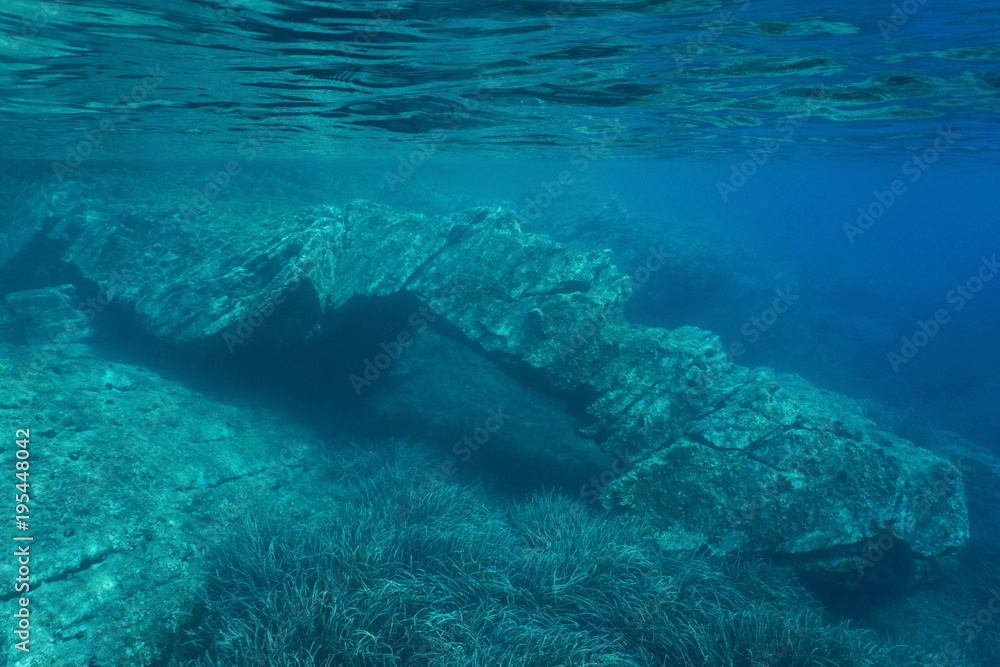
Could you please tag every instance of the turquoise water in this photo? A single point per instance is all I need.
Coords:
(515, 79)
(314, 311)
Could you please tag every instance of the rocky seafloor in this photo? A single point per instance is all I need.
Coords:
(180, 371)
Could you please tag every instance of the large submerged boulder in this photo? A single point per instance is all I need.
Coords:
(720, 456)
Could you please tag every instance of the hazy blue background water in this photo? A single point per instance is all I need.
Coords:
(821, 107)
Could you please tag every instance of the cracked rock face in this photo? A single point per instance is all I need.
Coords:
(785, 469)
(722, 457)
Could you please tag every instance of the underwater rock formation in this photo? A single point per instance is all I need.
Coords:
(49, 315)
(720, 456)
(783, 468)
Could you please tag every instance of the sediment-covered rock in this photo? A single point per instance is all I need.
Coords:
(131, 481)
(708, 439)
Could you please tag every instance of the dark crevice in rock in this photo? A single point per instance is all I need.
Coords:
(873, 570)
(837, 430)
(760, 442)
(702, 440)
(627, 411)
(222, 481)
(527, 376)
(576, 402)
(85, 564)
(39, 265)
(746, 453)
(308, 379)
(401, 283)
(429, 261)
(724, 399)
(765, 463)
